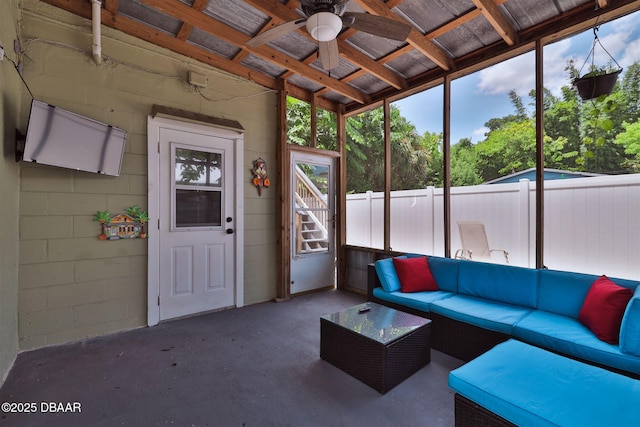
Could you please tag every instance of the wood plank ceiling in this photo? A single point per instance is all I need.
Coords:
(446, 36)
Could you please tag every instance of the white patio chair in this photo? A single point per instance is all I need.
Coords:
(475, 245)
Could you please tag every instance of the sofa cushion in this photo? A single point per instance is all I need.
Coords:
(533, 387)
(486, 314)
(387, 274)
(568, 336)
(630, 328)
(603, 309)
(496, 282)
(414, 274)
(445, 272)
(416, 300)
(563, 292)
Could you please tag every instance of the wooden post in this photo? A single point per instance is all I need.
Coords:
(283, 287)
(341, 199)
(539, 156)
(446, 158)
(387, 175)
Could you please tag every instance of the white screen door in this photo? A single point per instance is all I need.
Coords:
(312, 222)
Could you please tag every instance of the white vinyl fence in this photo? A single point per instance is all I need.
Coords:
(591, 225)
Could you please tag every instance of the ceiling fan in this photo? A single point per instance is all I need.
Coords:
(324, 21)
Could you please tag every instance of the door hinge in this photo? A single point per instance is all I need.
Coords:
(158, 300)
(158, 223)
(158, 147)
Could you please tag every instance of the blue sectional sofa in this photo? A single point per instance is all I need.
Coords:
(521, 385)
(479, 305)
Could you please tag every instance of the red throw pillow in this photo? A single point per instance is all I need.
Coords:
(603, 309)
(414, 274)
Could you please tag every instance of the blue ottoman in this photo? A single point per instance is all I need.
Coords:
(527, 386)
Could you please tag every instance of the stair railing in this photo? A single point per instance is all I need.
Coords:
(312, 201)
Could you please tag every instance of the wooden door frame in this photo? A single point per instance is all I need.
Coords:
(283, 156)
(189, 122)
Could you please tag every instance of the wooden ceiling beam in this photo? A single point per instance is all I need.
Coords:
(372, 67)
(144, 32)
(111, 6)
(185, 29)
(275, 9)
(498, 21)
(415, 39)
(238, 38)
(456, 22)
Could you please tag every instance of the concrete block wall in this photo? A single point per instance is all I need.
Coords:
(10, 106)
(72, 285)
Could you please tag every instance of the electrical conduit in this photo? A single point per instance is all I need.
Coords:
(96, 6)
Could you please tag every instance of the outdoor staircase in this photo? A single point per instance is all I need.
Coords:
(312, 237)
(311, 216)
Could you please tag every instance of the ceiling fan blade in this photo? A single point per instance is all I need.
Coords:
(377, 25)
(276, 32)
(329, 55)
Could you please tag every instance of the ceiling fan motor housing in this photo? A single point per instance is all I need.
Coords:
(324, 26)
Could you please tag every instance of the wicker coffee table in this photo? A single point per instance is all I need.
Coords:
(380, 346)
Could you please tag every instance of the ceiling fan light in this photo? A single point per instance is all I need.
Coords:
(324, 26)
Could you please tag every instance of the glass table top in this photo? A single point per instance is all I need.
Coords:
(379, 323)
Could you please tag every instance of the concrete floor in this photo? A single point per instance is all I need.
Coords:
(254, 366)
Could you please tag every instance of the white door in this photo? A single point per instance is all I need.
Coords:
(197, 224)
(313, 258)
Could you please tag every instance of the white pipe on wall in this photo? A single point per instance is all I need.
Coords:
(96, 51)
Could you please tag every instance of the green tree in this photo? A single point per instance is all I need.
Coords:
(562, 121)
(299, 125)
(327, 130)
(630, 141)
(298, 122)
(464, 170)
(509, 149)
(630, 88)
(409, 157)
(520, 113)
(365, 152)
(432, 143)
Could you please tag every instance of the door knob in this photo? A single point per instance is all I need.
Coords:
(229, 230)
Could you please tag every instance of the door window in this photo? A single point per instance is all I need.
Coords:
(313, 218)
(197, 188)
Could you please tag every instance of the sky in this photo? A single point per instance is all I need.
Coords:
(483, 95)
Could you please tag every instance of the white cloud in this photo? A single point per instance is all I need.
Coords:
(622, 43)
(556, 56)
(631, 54)
(610, 46)
(518, 73)
(514, 74)
(479, 134)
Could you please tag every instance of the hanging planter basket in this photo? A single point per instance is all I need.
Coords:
(599, 80)
(593, 86)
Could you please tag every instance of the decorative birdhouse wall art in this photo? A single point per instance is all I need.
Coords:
(259, 172)
(127, 225)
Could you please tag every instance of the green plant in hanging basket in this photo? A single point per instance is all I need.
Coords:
(600, 80)
(597, 82)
